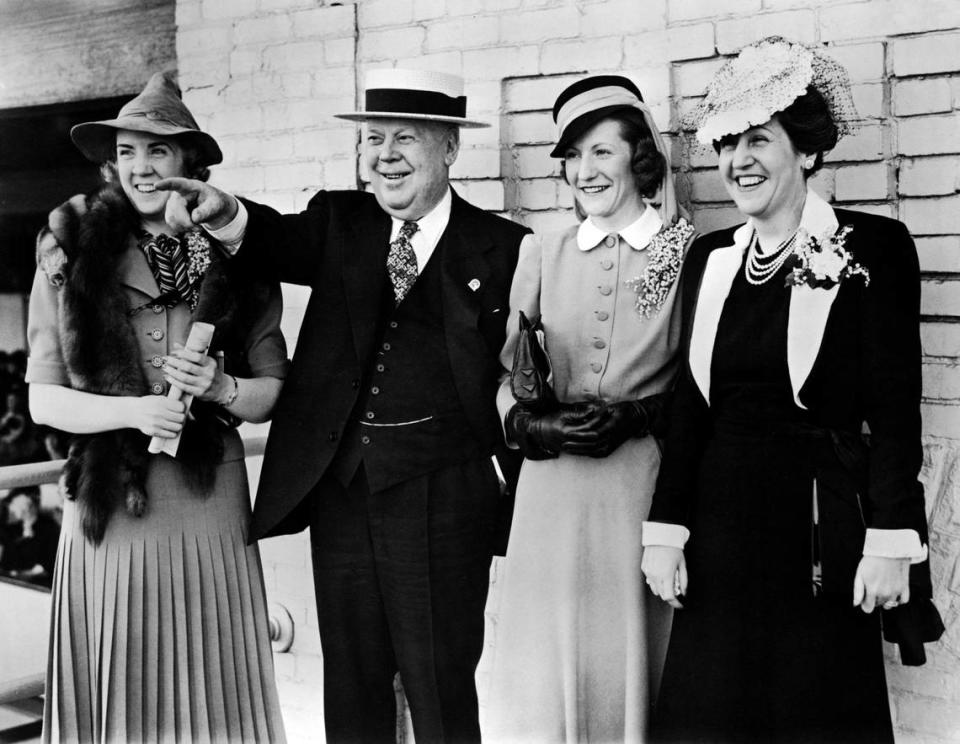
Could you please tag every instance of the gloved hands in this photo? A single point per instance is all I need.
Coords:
(588, 429)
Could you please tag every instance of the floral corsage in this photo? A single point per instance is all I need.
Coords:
(665, 253)
(823, 262)
(198, 261)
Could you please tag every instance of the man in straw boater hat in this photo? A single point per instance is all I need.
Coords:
(382, 439)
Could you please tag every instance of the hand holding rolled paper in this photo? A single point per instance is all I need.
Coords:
(198, 341)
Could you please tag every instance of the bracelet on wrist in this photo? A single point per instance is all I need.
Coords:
(233, 394)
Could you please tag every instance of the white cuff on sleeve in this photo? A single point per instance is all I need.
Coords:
(894, 544)
(664, 534)
(230, 236)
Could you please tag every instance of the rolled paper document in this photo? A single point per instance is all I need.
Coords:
(198, 340)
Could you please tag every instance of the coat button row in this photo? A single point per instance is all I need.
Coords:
(606, 264)
(599, 344)
(156, 334)
(375, 390)
(605, 289)
(610, 241)
(380, 368)
(364, 439)
(596, 366)
(370, 415)
(157, 361)
(157, 388)
(602, 314)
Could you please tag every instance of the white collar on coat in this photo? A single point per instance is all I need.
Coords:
(637, 234)
(808, 313)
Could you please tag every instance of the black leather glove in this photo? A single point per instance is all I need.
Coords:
(615, 423)
(541, 436)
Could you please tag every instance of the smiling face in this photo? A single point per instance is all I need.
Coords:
(142, 160)
(599, 168)
(763, 172)
(409, 163)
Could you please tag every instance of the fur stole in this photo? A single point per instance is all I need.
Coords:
(107, 470)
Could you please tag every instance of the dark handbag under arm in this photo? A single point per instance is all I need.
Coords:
(531, 373)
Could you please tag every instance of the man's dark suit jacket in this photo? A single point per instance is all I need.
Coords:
(338, 247)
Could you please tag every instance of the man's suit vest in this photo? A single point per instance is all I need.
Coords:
(409, 420)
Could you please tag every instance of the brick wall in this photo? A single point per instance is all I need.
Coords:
(266, 75)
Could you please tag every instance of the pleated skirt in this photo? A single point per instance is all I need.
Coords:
(161, 633)
(578, 642)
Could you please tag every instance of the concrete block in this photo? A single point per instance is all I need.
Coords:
(237, 120)
(930, 53)
(337, 52)
(538, 194)
(463, 33)
(939, 254)
(227, 9)
(499, 63)
(691, 78)
(447, 61)
(326, 143)
(864, 144)
(378, 13)
(645, 49)
(393, 43)
(531, 162)
(824, 182)
(263, 30)
(927, 717)
(477, 163)
(940, 339)
(595, 55)
(710, 218)
(941, 381)
(329, 22)
(238, 179)
(881, 210)
(868, 100)
(535, 94)
(293, 176)
(707, 186)
(859, 182)
(295, 55)
(913, 97)
(340, 173)
(427, 10)
(305, 113)
(928, 135)
(500, 6)
(858, 20)
(484, 194)
(688, 10)
(693, 41)
(863, 62)
(736, 33)
(940, 297)
(242, 62)
(188, 13)
(619, 17)
(204, 39)
(932, 176)
(530, 129)
(539, 25)
(547, 222)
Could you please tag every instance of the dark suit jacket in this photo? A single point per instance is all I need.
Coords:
(854, 357)
(338, 247)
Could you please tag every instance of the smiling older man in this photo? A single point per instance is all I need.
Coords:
(383, 436)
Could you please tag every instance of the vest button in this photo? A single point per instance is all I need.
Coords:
(157, 361)
(333, 436)
(602, 315)
(606, 290)
(157, 334)
(386, 346)
(157, 388)
(600, 344)
(364, 439)
(393, 324)
(375, 390)
(380, 368)
(370, 414)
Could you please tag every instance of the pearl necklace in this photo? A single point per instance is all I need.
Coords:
(759, 268)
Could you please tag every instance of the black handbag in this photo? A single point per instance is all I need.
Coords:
(532, 372)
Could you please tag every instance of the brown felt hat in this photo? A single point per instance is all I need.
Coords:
(157, 110)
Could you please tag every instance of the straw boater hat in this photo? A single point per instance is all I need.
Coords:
(420, 95)
(764, 79)
(587, 102)
(157, 110)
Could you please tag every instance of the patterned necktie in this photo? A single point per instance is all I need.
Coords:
(402, 262)
(168, 264)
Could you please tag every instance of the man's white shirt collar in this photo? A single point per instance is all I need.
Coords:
(638, 234)
(431, 227)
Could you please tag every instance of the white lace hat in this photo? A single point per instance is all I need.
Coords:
(421, 95)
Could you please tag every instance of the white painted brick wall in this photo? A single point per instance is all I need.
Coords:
(267, 75)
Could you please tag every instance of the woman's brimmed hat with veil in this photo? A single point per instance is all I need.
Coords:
(765, 78)
(587, 102)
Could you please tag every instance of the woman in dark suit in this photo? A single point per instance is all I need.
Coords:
(790, 531)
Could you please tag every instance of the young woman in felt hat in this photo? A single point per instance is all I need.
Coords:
(159, 628)
(774, 526)
(577, 649)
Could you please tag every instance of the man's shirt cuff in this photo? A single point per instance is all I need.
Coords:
(230, 236)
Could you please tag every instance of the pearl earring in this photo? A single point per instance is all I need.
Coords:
(808, 163)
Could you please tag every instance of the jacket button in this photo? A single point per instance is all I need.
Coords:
(606, 290)
(157, 388)
(602, 315)
(606, 264)
(386, 346)
(380, 368)
(393, 324)
(157, 309)
(600, 344)
(610, 241)
(333, 436)
(596, 366)
(375, 390)
(157, 361)
(370, 414)
(157, 334)
(364, 439)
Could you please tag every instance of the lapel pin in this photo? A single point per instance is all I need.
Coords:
(474, 284)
